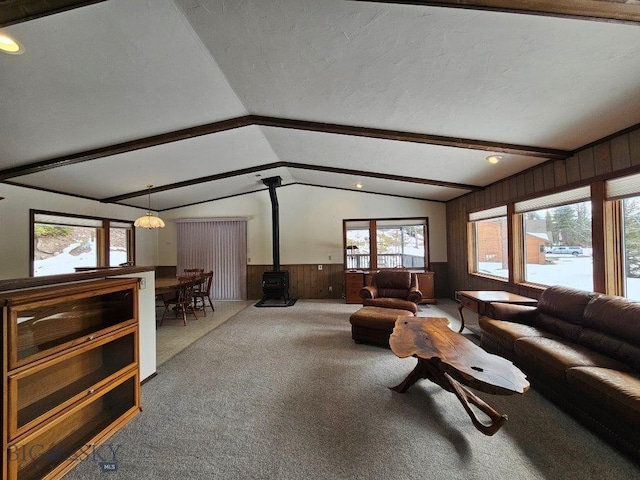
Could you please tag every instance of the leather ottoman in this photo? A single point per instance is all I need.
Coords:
(374, 324)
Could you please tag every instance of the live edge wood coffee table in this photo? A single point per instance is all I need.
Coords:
(450, 360)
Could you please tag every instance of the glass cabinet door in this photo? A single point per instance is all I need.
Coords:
(42, 328)
(47, 389)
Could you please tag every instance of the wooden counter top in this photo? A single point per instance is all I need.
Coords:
(30, 282)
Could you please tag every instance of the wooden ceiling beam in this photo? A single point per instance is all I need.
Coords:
(598, 10)
(301, 166)
(384, 176)
(18, 11)
(125, 147)
(400, 136)
(248, 120)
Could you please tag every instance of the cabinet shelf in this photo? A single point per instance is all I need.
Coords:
(70, 373)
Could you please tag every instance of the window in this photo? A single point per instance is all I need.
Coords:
(358, 251)
(62, 242)
(386, 243)
(489, 246)
(556, 239)
(624, 193)
(120, 243)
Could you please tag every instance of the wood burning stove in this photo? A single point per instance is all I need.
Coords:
(275, 284)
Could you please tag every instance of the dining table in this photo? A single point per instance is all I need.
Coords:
(166, 285)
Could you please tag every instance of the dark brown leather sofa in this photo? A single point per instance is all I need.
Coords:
(580, 349)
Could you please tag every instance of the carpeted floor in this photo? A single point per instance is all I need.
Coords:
(284, 393)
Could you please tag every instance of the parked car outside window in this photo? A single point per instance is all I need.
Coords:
(565, 250)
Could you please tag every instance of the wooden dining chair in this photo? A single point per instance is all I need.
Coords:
(193, 271)
(182, 300)
(203, 292)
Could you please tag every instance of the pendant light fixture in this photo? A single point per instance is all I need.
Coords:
(149, 220)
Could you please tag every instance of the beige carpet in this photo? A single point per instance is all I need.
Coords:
(173, 336)
(284, 393)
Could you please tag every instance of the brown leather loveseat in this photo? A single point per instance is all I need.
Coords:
(582, 350)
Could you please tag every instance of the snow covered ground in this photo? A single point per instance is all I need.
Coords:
(66, 263)
(576, 272)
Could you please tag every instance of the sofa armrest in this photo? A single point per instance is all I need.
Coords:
(414, 295)
(513, 313)
(369, 291)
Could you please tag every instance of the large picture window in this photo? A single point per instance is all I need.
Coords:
(624, 193)
(489, 253)
(386, 243)
(61, 243)
(556, 234)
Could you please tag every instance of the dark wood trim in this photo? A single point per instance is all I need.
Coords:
(569, 186)
(412, 137)
(249, 120)
(125, 147)
(102, 239)
(373, 245)
(269, 166)
(370, 193)
(194, 181)
(597, 10)
(154, 374)
(11, 14)
(383, 176)
(30, 282)
(598, 237)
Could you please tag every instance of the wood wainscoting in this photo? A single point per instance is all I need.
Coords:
(306, 281)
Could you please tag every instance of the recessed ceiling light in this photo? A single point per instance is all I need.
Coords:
(494, 158)
(9, 45)
(358, 185)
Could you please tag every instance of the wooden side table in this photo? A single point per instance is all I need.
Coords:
(479, 300)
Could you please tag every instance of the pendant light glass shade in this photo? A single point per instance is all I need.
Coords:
(149, 220)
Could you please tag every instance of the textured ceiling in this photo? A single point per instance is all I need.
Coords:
(382, 85)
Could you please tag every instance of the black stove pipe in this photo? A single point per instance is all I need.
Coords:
(272, 183)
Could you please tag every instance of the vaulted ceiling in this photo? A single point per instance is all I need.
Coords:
(204, 98)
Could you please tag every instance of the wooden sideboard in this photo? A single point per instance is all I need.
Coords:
(355, 280)
(70, 373)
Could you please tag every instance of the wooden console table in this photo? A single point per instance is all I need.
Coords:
(479, 300)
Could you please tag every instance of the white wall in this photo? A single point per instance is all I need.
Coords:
(310, 222)
(14, 225)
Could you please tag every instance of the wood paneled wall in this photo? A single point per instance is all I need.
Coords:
(310, 283)
(615, 156)
(305, 281)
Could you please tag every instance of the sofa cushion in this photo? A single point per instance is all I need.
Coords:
(558, 326)
(504, 333)
(565, 303)
(555, 355)
(619, 391)
(612, 328)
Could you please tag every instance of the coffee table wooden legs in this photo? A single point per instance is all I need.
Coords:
(460, 307)
(429, 370)
(466, 397)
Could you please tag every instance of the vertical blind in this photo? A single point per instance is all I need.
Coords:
(219, 245)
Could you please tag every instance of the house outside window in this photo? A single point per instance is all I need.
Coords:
(489, 253)
(557, 246)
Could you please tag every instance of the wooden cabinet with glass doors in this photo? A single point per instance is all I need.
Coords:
(70, 373)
